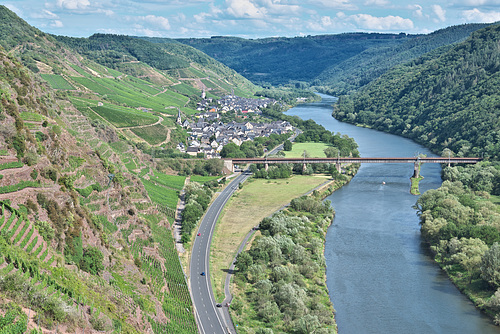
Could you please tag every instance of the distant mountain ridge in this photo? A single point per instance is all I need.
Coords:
(449, 98)
(334, 64)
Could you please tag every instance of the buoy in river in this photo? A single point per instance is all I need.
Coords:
(383, 182)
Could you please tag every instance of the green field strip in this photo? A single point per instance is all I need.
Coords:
(154, 134)
(124, 117)
(27, 238)
(202, 179)
(21, 233)
(57, 81)
(44, 254)
(93, 85)
(80, 71)
(9, 165)
(31, 116)
(171, 181)
(32, 245)
(186, 89)
(9, 222)
(161, 195)
(16, 187)
(39, 249)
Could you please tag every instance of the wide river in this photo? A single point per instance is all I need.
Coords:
(380, 278)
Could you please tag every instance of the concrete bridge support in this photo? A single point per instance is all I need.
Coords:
(416, 170)
(229, 165)
(304, 167)
(338, 167)
(266, 166)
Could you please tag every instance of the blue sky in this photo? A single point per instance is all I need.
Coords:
(249, 18)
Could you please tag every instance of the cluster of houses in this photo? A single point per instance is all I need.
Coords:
(208, 134)
(235, 103)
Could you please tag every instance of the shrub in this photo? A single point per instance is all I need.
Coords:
(92, 260)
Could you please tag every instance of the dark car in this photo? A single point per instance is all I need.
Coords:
(202, 273)
(218, 305)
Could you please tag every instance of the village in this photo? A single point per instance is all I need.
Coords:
(208, 134)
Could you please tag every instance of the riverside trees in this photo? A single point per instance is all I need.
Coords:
(462, 227)
(283, 272)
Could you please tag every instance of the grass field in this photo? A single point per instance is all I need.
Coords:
(315, 150)
(123, 117)
(257, 199)
(57, 81)
(154, 135)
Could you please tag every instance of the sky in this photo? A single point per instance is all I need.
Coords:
(249, 18)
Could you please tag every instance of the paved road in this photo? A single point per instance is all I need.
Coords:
(210, 318)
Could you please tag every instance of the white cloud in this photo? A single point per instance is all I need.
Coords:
(73, 4)
(44, 14)
(475, 15)
(417, 10)
(387, 23)
(156, 21)
(335, 4)
(477, 3)
(380, 3)
(439, 12)
(56, 24)
(245, 9)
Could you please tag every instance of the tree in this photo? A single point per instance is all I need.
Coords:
(331, 152)
(243, 261)
(92, 260)
(490, 266)
(287, 145)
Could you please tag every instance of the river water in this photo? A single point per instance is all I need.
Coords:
(380, 278)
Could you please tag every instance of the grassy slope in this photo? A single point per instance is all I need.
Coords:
(257, 199)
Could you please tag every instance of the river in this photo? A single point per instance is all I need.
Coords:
(380, 278)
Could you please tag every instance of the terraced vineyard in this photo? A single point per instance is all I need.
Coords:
(57, 81)
(124, 117)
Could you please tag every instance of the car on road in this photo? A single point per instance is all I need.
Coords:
(218, 305)
(199, 234)
(202, 273)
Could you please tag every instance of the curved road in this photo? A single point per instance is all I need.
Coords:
(210, 318)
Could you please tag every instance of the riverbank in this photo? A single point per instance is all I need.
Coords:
(290, 272)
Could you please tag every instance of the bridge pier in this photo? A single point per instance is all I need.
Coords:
(416, 170)
(304, 167)
(266, 166)
(338, 167)
(229, 165)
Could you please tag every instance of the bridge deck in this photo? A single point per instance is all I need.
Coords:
(357, 160)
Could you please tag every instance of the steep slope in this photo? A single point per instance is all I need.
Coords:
(357, 71)
(443, 100)
(174, 60)
(279, 60)
(81, 242)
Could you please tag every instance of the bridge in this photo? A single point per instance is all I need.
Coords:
(338, 161)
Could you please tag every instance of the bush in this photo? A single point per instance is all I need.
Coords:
(92, 260)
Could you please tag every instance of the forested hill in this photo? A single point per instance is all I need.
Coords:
(279, 60)
(357, 71)
(116, 50)
(334, 64)
(448, 99)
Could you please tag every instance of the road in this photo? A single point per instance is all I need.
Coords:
(210, 318)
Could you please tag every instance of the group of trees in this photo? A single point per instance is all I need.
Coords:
(284, 271)
(445, 99)
(253, 148)
(462, 227)
(197, 198)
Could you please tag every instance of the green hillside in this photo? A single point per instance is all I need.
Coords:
(85, 221)
(446, 99)
(332, 64)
